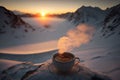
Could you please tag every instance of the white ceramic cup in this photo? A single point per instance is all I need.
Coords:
(64, 66)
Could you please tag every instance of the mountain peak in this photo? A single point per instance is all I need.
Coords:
(112, 22)
(11, 21)
(87, 14)
(88, 7)
(3, 8)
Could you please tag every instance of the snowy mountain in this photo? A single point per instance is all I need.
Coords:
(90, 15)
(100, 55)
(10, 23)
(112, 22)
(65, 15)
(108, 21)
(16, 12)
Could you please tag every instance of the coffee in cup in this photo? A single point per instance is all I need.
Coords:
(65, 57)
(64, 62)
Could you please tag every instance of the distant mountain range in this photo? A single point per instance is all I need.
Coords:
(23, 14)
(107, 20)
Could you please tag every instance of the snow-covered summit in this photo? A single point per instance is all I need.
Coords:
(108, 21)
(90, 15)
(10, 23)
(112, 22)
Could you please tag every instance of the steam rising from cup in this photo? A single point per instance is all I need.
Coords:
(82, 34)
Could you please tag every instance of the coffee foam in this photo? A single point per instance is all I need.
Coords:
(64, 57)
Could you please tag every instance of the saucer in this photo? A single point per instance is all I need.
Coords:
(52, 69)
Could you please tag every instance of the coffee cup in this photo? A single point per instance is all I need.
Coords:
(64, 62)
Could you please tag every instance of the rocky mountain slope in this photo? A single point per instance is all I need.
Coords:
(112, 22)
(10, 23)
(108, 21)
(90, 15)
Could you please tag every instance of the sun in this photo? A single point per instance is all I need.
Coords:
(43, 14)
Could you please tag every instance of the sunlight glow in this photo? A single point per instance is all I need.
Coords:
(43, 14)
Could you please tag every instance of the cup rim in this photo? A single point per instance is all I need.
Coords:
(65, 61)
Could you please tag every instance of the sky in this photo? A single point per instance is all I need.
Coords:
(54, 6)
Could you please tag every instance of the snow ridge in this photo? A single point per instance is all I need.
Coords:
(11, 23)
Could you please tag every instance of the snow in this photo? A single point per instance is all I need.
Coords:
(89, 15)
(34, 42)
(100, 55)
(47, 71)
(17, 71)
(24, 57)
(4, 64)
(35, 58)
(103, 60)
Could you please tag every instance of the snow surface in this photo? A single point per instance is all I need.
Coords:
(46, 71)
(100, 55)
(4, 64)
(37, 41)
